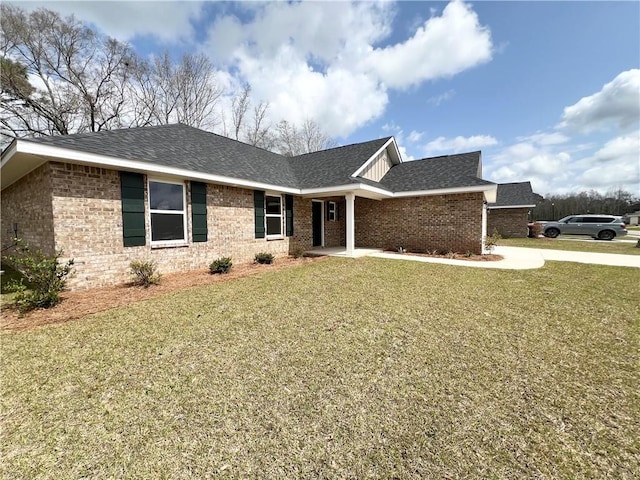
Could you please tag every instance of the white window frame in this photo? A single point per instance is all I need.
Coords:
(183, 212)
(332, 209)
(273, 215)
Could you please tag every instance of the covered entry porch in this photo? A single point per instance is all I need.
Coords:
(356, 221)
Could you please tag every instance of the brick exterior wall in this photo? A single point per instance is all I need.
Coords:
(82, 205)
(334, 231)
(27, 203)
(508, 222)
(85, 206)
(421, 224)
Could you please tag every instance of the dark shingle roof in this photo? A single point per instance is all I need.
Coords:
(181, 146)
(333, 166)
(447, 171)
(194, 150)
(512, 194)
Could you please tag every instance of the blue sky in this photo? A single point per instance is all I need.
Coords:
(549, 91)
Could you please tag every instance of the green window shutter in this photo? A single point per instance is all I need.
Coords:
(288, 206)
(258, 208)
(132, 193)
(199, 211)
(337, 211)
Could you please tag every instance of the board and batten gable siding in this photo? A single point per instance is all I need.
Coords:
(88, 223)
(378, 168)
(27, 210)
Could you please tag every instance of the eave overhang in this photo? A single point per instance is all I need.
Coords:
(22, 157)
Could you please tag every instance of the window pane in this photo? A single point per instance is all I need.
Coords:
(165, 196)
(274, 225)
(273, 205)
(166, 226)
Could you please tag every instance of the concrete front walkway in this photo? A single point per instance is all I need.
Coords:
(514, 258)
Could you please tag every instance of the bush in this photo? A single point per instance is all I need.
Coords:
(490, 241)
(297, 252)
(46, 277)
(263, 257)
(221, 265)
(145, 273)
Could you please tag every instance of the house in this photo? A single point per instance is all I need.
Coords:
(509, 214)
(183, 197)
(632, 218)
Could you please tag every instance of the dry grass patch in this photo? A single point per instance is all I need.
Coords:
(344, 368)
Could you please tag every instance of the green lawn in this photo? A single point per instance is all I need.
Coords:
(578, 244)
(365, 368)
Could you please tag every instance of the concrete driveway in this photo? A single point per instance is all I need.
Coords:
(520, 258)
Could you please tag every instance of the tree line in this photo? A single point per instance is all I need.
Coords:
(59, 76)
(613, 202)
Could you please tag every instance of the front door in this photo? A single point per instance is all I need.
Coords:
(316, 221)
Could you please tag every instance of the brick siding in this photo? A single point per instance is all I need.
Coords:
(85, 205)
(421, 224)
(82, 205)
(508, 222)
(27, 205)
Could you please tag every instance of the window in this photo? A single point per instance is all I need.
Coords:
(168, 213)
(332, 211)
(273, 215)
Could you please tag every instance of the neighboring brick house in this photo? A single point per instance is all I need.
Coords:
(509, 214)
(184, 197)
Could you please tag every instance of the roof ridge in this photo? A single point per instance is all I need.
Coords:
(342, 146)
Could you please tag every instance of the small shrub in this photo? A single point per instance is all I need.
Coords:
(46, 277)
(264, 258)
(297, 252)
(468, 254)
(490, 241)
(221, 265)
(145, 273)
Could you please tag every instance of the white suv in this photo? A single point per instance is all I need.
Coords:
(602, 227)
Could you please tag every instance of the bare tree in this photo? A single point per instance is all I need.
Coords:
(239, 107)
(163, 92)
(292, 141)
(79, 76)
(253, 129)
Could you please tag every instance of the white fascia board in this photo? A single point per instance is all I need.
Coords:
(342, 189)
(144, 167)
(444, 191)
(491, 207)
(9, 152)
(373, 157)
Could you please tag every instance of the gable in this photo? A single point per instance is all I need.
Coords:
(378, 168)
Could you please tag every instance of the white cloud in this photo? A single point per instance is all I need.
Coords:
(552, 168)
(442, 47)
(437, 100)
(617, 104)
(547, 170)
(542, 138)
(320, 60)
(169, 22)
(459, 144)
(415, 136)
(617, 163)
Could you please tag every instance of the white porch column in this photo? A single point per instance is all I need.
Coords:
(484, 227)
(350, 199)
